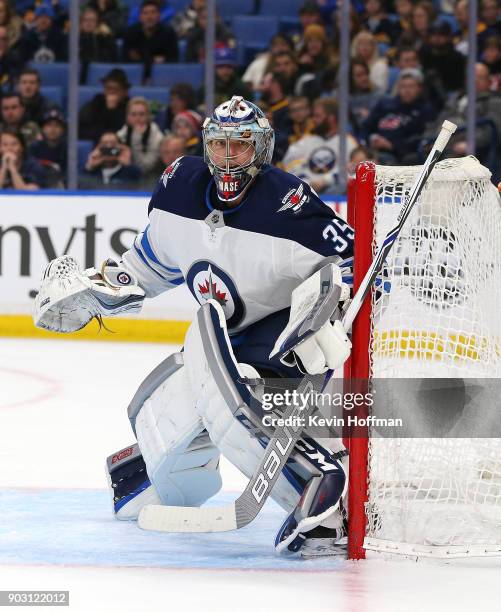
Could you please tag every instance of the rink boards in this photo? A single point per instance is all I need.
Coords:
(37, 227)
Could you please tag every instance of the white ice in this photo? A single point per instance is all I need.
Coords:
(62, 411)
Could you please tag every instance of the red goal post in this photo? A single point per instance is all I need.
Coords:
(440, 318)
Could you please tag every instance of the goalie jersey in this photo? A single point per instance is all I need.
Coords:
(250, 257)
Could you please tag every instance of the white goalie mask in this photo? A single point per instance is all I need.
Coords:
(238, 141)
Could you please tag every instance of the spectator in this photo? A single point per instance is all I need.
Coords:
(275, 97)
(166, 12)
(10, 62)
(301, 120)
(488, 106)
(110, 14)
(110, 163)
(11, 22)
(227, 82)
(396, 125)
(358, 155)
(491, 57)
(364, 46)
(142, 135)
(254, 74)
(285, 63)
(12, 119)
(378, 24)
(195, 38)
(150, 41)
(182, 97)
(51, 150)
(433, 87)
(187, 125)
(106, 111)
(314, 158)
(423, 16)
(363, 94)
(97, 43)
(296, 81)
(355, 26)
(170, 149)
(35, 105)
(461, 12)
(407, 57)
(316, 54)
(185, 20)
(490, 14)
(438, 55)
(52, 146)
(404, 9)
(45, 42)
(309, 14)
(18, 171)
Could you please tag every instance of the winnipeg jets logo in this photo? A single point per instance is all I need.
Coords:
(294, 199)
(170, 170)
(210, 291)
(207, 281)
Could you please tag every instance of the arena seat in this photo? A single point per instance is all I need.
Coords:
(52, 74)
(84, 147)
(97, 71)
(168, 74)
(254, 28)
(229, 8)
(283, 8)
(53, 94)
(253, 31)
(87, 92)
(153, 94)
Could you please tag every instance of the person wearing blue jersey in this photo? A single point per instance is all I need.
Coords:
(245, 237)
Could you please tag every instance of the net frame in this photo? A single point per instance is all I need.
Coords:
(363, 194)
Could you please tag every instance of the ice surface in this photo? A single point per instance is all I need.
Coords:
(62, 411)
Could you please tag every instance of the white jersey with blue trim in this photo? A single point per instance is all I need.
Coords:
(250, 257)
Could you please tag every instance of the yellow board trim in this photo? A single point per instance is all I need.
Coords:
(122, 330)
(423, 344)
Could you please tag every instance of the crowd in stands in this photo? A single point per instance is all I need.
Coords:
(407, 74)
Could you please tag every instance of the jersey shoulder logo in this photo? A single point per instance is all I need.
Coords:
(170, 170)
(294, 199)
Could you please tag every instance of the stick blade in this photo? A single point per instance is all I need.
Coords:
(176, 519)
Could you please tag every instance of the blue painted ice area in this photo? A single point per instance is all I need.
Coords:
(76, 527)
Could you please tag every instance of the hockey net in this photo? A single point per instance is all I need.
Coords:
(435, 312)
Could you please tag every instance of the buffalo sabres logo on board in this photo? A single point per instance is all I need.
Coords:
(207, 281)
(170, 170)
(294, 199)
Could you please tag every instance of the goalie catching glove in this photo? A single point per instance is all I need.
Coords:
(69, 298)
(310, 340)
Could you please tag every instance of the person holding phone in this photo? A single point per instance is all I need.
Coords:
(110, 163)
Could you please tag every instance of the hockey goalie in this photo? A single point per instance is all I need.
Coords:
(244, 236)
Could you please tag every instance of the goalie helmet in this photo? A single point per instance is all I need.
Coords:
(238, 142)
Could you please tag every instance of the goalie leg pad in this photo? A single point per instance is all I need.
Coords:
(182, 462)
(224, 406)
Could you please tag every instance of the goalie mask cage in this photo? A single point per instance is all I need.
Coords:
(434, 312)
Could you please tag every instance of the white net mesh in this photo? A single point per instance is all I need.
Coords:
(437, 313)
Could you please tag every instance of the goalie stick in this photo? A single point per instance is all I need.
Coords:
(247, 506)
